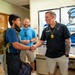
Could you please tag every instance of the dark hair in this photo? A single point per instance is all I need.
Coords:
(12, 17)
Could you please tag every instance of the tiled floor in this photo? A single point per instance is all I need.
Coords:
(70, 72)
(58, 73)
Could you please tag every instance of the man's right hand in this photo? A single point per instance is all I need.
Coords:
(34, 47)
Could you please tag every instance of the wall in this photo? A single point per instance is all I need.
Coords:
(12, 9)
(36, 5)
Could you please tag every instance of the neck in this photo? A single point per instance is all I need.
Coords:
(53, 24)
(25, 27)
(12, 26)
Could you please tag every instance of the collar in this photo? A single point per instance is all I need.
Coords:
(54, 26)
(26, 28)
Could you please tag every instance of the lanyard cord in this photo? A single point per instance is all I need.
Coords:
(52, 32)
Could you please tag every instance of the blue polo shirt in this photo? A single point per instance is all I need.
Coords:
(10, 38)
(27, 34)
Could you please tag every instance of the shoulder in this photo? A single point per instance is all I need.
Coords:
(22, 28)
(61, 25)
(47, 28)
(11, 30)
(31, 29)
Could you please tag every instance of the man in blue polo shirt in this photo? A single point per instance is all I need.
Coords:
(13, 57)
(28, 37)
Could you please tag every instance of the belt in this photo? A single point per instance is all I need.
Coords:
(12, 53)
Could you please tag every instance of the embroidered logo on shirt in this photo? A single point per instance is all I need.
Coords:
(48, 31)
(58, 28)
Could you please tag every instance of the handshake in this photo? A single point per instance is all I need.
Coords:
(33, 48)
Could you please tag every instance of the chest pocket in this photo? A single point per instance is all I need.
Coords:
(58, 32)
(28, 35)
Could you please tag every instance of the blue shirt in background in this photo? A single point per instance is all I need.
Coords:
(27, 34)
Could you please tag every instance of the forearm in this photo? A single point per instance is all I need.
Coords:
(22, 41)
(33, 40)
(39, 43)
(20, 46)
(68, 45)
(67, 49)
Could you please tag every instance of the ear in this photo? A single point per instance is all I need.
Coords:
(53, 17)
(13, 22)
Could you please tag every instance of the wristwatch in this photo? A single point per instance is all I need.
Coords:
(30, 47)
(30, 41)
(67, 55)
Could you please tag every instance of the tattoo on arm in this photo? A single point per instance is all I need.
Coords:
(67, 47)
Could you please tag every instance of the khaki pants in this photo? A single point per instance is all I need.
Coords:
(30, 56)
(62, 63)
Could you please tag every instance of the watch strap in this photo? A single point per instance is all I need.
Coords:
(30, 41)
(30, 47)
(67, 55)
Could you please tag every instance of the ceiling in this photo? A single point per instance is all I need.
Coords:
(21, 3)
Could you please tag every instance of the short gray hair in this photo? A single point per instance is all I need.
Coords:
(51, 13)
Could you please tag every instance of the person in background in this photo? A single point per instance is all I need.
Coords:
(58, 44)
(28, 37)
(13, 57)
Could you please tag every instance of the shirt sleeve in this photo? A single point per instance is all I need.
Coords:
(66, 32)
(43, 36)
(12, 37)
(34, 34)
